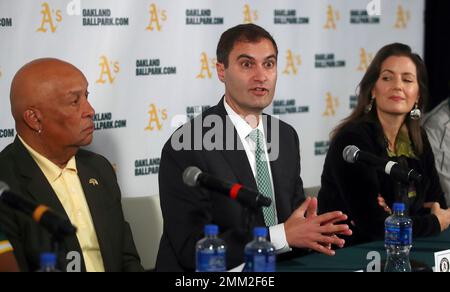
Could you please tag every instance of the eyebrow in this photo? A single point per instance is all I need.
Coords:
(75, 92)
(404, 73)
(245, 56)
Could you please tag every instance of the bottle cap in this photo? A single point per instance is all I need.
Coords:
(211, 229)
(399, 207)
(48, 259)
(260, 232)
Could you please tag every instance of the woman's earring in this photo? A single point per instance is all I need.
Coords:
(416, 113)
(369, 107)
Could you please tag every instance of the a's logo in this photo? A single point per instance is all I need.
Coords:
(403, 17)
(333, 16)
(293, 61)
(50, 18)
(365, 59)
(107, 71)
(157, 17)
(206, 64)
(250, 16)
(155, 117)
(331, 104)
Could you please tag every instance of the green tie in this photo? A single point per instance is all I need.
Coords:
(263, 176)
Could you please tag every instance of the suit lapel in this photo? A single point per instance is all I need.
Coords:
(238, 162)
(95, 194)
(39, 189)
(36, 183)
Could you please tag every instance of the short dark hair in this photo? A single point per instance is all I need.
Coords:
(250, 32)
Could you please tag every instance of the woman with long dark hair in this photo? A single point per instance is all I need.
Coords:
(386, 123)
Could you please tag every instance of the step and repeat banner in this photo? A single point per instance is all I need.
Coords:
(151, 65)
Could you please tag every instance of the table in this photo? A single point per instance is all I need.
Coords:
(354, 258)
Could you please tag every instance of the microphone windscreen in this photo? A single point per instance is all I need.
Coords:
(349, 153)
(190, 176)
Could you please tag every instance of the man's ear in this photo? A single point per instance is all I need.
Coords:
(32, 117)
(220, 68)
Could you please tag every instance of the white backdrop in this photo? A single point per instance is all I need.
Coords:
(148, 62)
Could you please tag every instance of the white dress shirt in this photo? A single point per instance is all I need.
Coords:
(277, 232)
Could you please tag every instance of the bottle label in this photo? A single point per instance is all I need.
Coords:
(260, 263)
(395, 235)
(208, 261)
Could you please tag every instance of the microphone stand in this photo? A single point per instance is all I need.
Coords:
(402, 187)
(250, 219)
(57, 240)
(401, 194)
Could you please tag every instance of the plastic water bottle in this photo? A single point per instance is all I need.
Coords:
(398, 240)
(211, 252)
(48, 263)
(259, 253)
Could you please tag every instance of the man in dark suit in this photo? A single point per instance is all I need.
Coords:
(45, 164)
(236, 142)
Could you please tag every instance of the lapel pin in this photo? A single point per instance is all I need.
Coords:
(93, 182)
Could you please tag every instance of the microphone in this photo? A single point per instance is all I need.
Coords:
(193, 176)
(53, 223)
(352, 154)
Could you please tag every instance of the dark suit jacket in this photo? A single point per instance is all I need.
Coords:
(186, 210)
(24, 177)
(354, 188)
